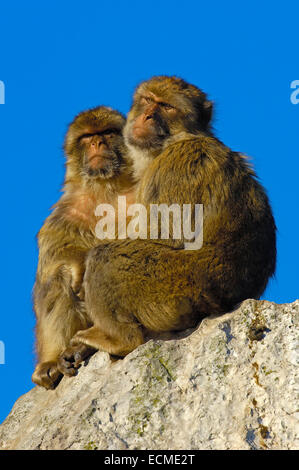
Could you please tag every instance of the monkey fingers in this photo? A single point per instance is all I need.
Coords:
(47, 375)
(69, 361)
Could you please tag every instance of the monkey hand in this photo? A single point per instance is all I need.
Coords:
(69, 361)
(47, 375)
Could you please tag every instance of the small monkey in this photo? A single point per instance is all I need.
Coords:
(96, 172)
(157, 284)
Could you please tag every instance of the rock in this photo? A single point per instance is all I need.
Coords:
(229, 384)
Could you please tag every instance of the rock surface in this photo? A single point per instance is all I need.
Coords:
(229, 384)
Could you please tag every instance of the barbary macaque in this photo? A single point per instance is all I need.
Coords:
(97, 171)
(159, 285)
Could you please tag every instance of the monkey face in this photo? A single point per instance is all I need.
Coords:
(100, 154)
(164, 107)
(150, 122)
(94, 144)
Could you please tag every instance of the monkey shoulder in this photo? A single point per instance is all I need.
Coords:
(198, 166)
(73, 215)
(192, 154)
(196, 160)
(58, 236)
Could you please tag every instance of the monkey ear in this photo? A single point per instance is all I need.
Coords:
(207, 112)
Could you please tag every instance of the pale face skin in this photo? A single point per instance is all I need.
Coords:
(152, 122)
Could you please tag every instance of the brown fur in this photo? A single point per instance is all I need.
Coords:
(69, 233)
(157, 285)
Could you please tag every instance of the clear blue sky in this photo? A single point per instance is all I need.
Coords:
(58, 58)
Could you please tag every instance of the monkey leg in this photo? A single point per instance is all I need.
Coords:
(135, 284)
(116, 337)
(59, 317)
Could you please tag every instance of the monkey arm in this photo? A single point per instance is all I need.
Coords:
(61, 252)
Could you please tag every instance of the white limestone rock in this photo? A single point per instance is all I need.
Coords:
(229, 384)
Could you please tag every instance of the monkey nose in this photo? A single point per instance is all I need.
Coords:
(97, 143)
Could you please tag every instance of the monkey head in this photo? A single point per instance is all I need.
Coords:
(164, 107)
(94, 144)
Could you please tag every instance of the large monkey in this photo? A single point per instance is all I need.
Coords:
(157, 284)
(96, 172)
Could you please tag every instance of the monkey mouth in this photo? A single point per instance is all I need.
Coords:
(102, 167)
(147, 142)
(151, 129)
(98, 161)
(150, 135)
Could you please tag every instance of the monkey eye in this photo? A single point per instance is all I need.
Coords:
(109, 132)
(166, 106)
(146, 99)
(85, 138)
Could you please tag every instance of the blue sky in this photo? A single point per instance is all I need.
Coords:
(58, 58)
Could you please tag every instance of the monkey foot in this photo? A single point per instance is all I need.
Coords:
(69, 361)
(47, 375)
